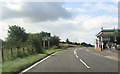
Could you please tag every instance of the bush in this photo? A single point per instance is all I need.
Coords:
(31, 42)
(54, 47)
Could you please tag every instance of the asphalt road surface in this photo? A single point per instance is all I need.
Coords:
(75, 60)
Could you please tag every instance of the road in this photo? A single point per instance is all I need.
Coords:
(75, 60)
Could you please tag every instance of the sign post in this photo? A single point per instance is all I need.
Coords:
(48, 44)
(46, 37)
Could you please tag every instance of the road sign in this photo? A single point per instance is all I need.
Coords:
(46, 36)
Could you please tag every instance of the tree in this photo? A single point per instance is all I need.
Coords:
(84, 44)
(76, 43)
(67, 41)
(34, 41)
(16, 35)
(55, 40)
(1, 41)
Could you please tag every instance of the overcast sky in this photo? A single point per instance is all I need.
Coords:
(78, 21)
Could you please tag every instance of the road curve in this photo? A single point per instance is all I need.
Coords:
(75, 60)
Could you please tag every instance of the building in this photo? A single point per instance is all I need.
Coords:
(107, 39)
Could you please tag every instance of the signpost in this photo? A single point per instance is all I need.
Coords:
(46, 37)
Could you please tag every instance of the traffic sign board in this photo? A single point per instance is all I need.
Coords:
(46, 36)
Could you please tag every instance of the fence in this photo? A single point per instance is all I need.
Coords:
(13, 53)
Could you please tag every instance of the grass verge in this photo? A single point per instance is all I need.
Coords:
(12, 66)
(74, 47)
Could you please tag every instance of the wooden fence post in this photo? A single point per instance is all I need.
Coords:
(32, 51)
(23, 49)
(18, 48)
(2, 54)
(11, 53)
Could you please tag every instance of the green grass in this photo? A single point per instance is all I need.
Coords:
(11, 66)
(52, 50)
(74, 47)
(8, 56)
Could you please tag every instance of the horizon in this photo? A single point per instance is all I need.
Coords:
(72, 20)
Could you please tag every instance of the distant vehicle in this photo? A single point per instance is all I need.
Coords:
(118, 47)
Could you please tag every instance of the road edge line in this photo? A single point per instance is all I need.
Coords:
(34, 65)
(21, 71)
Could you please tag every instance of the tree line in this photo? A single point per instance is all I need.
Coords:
(77, 43)
(18, 43)
(17, 37)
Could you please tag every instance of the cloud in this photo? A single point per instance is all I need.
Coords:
(13, 5)
(68, 9)
(95, 22)
(35, 11)
(51, 17)
(116, 1)
(76, 9)
(80, 28)
(81, 9)
(106, 7)
(87, 4)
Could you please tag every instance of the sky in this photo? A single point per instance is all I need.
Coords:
(77, 21)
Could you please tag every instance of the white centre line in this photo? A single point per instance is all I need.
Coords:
(75, 53)
(76, 56)
(84, 63)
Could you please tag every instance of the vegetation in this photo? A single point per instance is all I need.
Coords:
(76, 43)
(20, 44)
(55, 40)
(1, 44)
(16, 36)
(21, 48)
(67, 41)
(12, 66)
(86, 45)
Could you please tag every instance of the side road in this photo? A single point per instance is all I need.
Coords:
(105, 53)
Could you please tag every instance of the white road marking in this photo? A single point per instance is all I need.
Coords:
(87, 50)
(84, 63)
(75, 53)
(76, 56)
(53, 53)
(35, 64)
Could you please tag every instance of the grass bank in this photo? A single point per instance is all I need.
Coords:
(12, 66)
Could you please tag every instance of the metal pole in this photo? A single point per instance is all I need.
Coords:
(48, 44)
(44, 43)
(98, 42)
(109, 44)
(102, 42)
